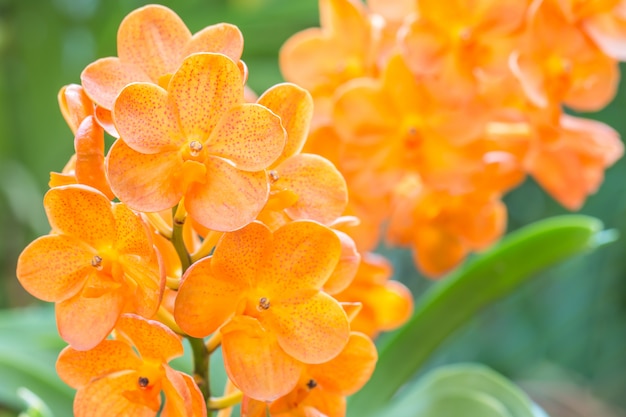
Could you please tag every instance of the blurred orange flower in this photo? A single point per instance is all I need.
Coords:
(97, 263)
(271, 283)
(197, 139)
(126, 376)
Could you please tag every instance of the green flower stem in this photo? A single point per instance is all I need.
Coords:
(200, 366)
(179, 216)
(456, 299)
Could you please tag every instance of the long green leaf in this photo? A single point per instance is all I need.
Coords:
(455, 300)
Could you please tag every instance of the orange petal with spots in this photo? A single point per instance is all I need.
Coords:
(152, 339)
(322, 192)
(148, 274)
(89, 145)
(146, 119)
(128, 173)
(311, 327)
(249, 135)
(294, 106)
(151, 38)
(204, 88)
(54, 268)
(351, 369)
(78, 368)
(82, 212)
(251, 246)
(305, 255)
(132, 233)
(105, 78)
(347, 267)
(230, 198)
(206, 300)
(84, 322)
(249, 351)
(221, 38)
(103, 398)
(75, 105)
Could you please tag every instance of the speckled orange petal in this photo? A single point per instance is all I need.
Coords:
(78, 368)
(294, 106)
(249, 351)
(152, 38)
(250, 246)
(204, 88)
(305, 255)
(75, 105)
(347, 267)
(82, 212)
(105, 78)
(146, 119)
(230, 198)
(363, 114)
(322, 192)
(149, 276)
(144, 182)
(103, 398)
(351, 369)
(84, 322)
(249, 135)
(205, 300)
(222, 38)
(152, 339)
(54, 268)
(313, 328)
(132, 232)
(89, 145)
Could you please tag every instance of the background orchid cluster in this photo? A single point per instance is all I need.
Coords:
(221, 218)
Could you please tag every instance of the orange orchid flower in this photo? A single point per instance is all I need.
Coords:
(303, 186)
(322, 388)
(97, 263)
(559, 63)
(568, 157)
(271, 282)
(87, 164)
(152, 42)
(125, 376)
(196, 140)
(385, 304)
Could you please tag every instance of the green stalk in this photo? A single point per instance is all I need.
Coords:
(455, 300)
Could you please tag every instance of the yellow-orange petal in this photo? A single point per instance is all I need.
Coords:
(305, 255)
(152, 339)
(221, 38)
(83, 322)
(347, 266)
(146, 119)
(351, 369)
(198, 406)
(204, 88)
(437, 251)
(311, 327)
(54, 268)
(151, 38)
(595, 86)
(75, 105)
(250, 351)
(105, 119)
(322, 192)
(240, 255)
(105, 78)
(104, 398)
(205, 300)
(82, 212)
(178, 397)
(146, 275)
(78, 368)
(249, 135)
(144, 182)
(89, 165)
(608, 30)
(132, 233)
(294, 106)
(229, 199)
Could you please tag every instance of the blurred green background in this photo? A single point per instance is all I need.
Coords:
(563, 337)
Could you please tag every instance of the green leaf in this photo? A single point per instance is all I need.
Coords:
(466, 390)
(453, 301)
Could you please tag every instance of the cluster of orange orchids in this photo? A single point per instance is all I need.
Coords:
(223, 219)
